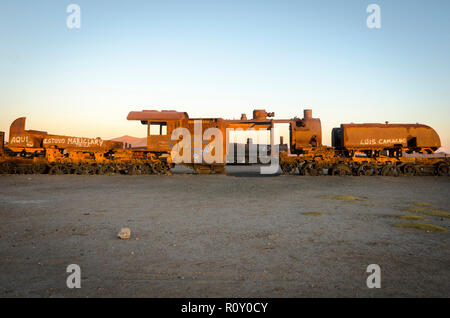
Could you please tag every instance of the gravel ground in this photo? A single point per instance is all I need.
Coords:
(241, 235)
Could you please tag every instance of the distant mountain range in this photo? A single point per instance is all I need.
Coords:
(135, 142)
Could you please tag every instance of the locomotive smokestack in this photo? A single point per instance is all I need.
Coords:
(307, 114)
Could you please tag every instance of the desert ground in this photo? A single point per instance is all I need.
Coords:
(241, 235)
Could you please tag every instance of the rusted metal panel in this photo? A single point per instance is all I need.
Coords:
(201, 145)
(158, 139)
(17, 127)
(19, 137)
(381, 136)
(26, 140)
(147, 115)
(65, 142)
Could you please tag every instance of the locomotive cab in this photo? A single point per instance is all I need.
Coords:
(158, 135)
(160, 125)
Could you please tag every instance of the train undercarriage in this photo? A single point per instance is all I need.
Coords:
(129, 162)
(58, 162)
(337, 165)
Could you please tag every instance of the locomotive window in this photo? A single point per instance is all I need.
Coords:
(158, 129)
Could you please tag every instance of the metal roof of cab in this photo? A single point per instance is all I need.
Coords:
(157, 115)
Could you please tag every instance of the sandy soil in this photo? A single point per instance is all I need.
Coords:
(221, 236)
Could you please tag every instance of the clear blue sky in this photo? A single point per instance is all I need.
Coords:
(223, 58)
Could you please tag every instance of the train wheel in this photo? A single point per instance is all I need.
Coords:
(121, 168)
(366, 170)
(409, 170)
(161, 167)
(92, 169)
(145, 169)
(389, 171)
(132, 170)
(106, 169)
(85, 170)
(300, 166)
(71, 169)
(341, 169)
(7, 168)
(24, 169)
(39, 168)
(167, 167)
(149, 168)
(58, 170)
(80, 170)
(288, 168)
(442, 169)
(20, 169)
(157, 167)
(138, 169)
(311, 169)
(100, 170)
(303, 169)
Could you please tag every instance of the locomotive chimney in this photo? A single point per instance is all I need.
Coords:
(307, 114)
(259, 114)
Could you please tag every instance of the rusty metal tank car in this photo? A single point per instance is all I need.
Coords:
(371, 138)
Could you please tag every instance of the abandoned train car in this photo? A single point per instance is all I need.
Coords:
(357, 149)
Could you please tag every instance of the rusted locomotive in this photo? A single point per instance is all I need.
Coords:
(32, 151)
(357, 149)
